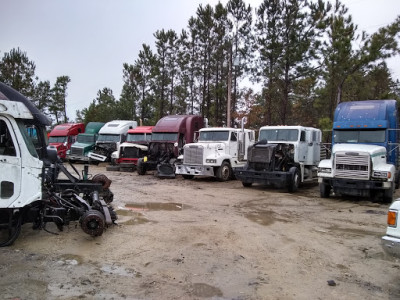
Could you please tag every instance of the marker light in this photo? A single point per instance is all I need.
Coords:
(392, 218)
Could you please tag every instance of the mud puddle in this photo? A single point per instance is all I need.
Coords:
(156, 206)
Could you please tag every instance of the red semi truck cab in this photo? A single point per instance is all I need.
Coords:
(63, 136)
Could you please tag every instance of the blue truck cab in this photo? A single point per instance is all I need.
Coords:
(364, 160)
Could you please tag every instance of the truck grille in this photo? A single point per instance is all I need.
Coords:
(193, 155)
(354, 166)
(131, 152)
(77, 151)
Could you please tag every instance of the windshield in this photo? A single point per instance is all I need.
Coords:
(290, 135)
(85, 139)
(114, 138)
(138, 137)
(57, 139)
(359, 136)
(215, 136)
(31, 136)
(164, 136)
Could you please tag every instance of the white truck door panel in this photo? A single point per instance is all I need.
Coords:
(10, 160)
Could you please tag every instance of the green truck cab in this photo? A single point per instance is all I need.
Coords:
(85, 143)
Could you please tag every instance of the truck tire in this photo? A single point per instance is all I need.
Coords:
(141, 167)
(112, 168)
(224, 172)
(247, 184)
(324, 190)
(295, 180)
(188, 176)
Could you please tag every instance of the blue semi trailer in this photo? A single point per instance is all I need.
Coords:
(364, 160)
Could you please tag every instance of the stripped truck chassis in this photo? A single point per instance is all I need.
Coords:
(64, 200)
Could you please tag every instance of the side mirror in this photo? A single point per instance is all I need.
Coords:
(52, 154)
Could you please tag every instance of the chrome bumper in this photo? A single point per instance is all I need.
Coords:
(194, 170)
(391, 245)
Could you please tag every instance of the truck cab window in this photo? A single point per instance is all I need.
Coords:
(303, 136)
(6, 143)
(28, 138)
(233, 137)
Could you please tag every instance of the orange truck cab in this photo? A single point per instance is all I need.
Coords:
(63, 136)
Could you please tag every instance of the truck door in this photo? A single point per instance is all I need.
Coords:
(233, 144)
(303, 145)
(314, 153)
(10, 164)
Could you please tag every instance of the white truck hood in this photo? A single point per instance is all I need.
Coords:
(208, 145)
(133, 145)
(373, 150)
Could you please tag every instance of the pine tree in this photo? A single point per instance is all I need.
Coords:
(17, 71)
(58, 105)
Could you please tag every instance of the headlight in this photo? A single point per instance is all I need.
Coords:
(382, 174)
(324, 170)
(211, 161)
(392, 218)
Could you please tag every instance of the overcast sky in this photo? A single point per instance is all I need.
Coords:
(89, 40)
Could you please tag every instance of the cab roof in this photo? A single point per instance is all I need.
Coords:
(141, 129)
(8, 93)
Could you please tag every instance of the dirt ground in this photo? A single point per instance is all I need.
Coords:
(198, 239)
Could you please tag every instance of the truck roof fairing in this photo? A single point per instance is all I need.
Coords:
(8, 93)
(364, 115)
(117, 127)
(175, 123)
(141, 129)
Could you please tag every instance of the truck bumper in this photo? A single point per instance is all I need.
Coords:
(356, 184)
(277, 178)
(127, 161)
(196, 170)
(78, 158)
(354, 187)
(391, 245)
(96, 156)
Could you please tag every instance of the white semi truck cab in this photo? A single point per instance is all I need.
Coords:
(111, 135)
(216, 153)
(284, 156)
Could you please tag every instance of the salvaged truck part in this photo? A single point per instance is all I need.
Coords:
(30, 190)
(169, 136)
(217, 151)
(285, 156)
(364, 160)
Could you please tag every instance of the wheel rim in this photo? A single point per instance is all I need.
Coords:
(225, 173)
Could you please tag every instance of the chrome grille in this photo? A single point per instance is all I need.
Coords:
(193, 155)
(77, 151)
(354, 166)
